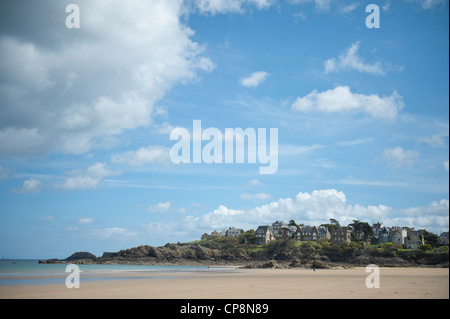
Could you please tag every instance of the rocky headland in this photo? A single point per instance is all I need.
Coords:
(277, 254)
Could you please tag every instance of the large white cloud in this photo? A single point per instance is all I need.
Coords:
(313, 208)
(82, 87)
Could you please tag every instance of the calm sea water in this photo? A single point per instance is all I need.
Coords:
(30, 272)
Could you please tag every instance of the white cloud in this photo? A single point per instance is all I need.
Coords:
(320, 4)
(162, 207)
(75, 93)
(290, 149)
(113, 233)
(428, 4)
(47, 218)
(436, 141)
(86, 220)
(255, 183)
(350, 7)
(257, 196)
(144, 155)
(446, 165)
(254, 79)
(342, 100)
(313, 208)
(300, 15)
(350, 60)
(29, 186)
(24, 65)
(234, 6)
(88, 179)
(398, 157)
(358, 141)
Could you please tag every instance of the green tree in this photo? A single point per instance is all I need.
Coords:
(430, 239)
(361, 231)
(248, 237)
(334, 222)
(425, 247)
(292, 223)
(333, 225)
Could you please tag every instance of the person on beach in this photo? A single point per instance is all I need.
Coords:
(314, 266)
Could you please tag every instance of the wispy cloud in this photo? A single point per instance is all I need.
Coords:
(254, 79)
(350, 60)
(86, 220)
(320, 4)
(29, 186)
(428, 4)
(162, 207)
(358, 141)
(349, 8)
(144, 155)
(257, 196)
(399, 158)
(86, 180)
(436, 141)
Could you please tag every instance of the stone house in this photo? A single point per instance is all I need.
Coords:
(277, 226)
(233, 232)
(264, 235)
(414, 240)
(307, 233)
(443, 238)
(398, 235)
(341, 235)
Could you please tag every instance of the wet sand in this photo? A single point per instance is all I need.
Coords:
(402, 283)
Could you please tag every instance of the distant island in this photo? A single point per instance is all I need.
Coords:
(282, 245)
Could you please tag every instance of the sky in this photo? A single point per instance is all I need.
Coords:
(86, 116)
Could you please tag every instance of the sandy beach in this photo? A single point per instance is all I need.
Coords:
(404, 283)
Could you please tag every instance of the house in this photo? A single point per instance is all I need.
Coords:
(341, 235)
(324, 233)
(264, 235)
(276, 227)
(385, 235)
(398, 235)
(414, 240)
(233, 232)
(307, 233)
(377, 227)
(213, 234)
(443, 238)
(205, 236)
(284, 232)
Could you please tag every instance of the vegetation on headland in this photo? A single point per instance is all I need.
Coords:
(280, 253)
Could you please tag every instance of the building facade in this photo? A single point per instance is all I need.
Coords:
(341, 235)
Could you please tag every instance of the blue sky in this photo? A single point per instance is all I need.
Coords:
(86, 115)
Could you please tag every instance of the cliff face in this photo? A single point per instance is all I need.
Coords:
(275, 255)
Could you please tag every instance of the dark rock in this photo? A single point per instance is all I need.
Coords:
(269, 264)
(296, 263)
(81, 255)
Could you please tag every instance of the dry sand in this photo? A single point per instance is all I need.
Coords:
(405, 283)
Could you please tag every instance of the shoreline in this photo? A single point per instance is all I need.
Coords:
(241, 283)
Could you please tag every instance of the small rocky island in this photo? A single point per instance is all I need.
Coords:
(286, 253)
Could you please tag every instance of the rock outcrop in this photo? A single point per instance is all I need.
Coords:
(279, 254)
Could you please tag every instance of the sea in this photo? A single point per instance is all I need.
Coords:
(30, 272)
